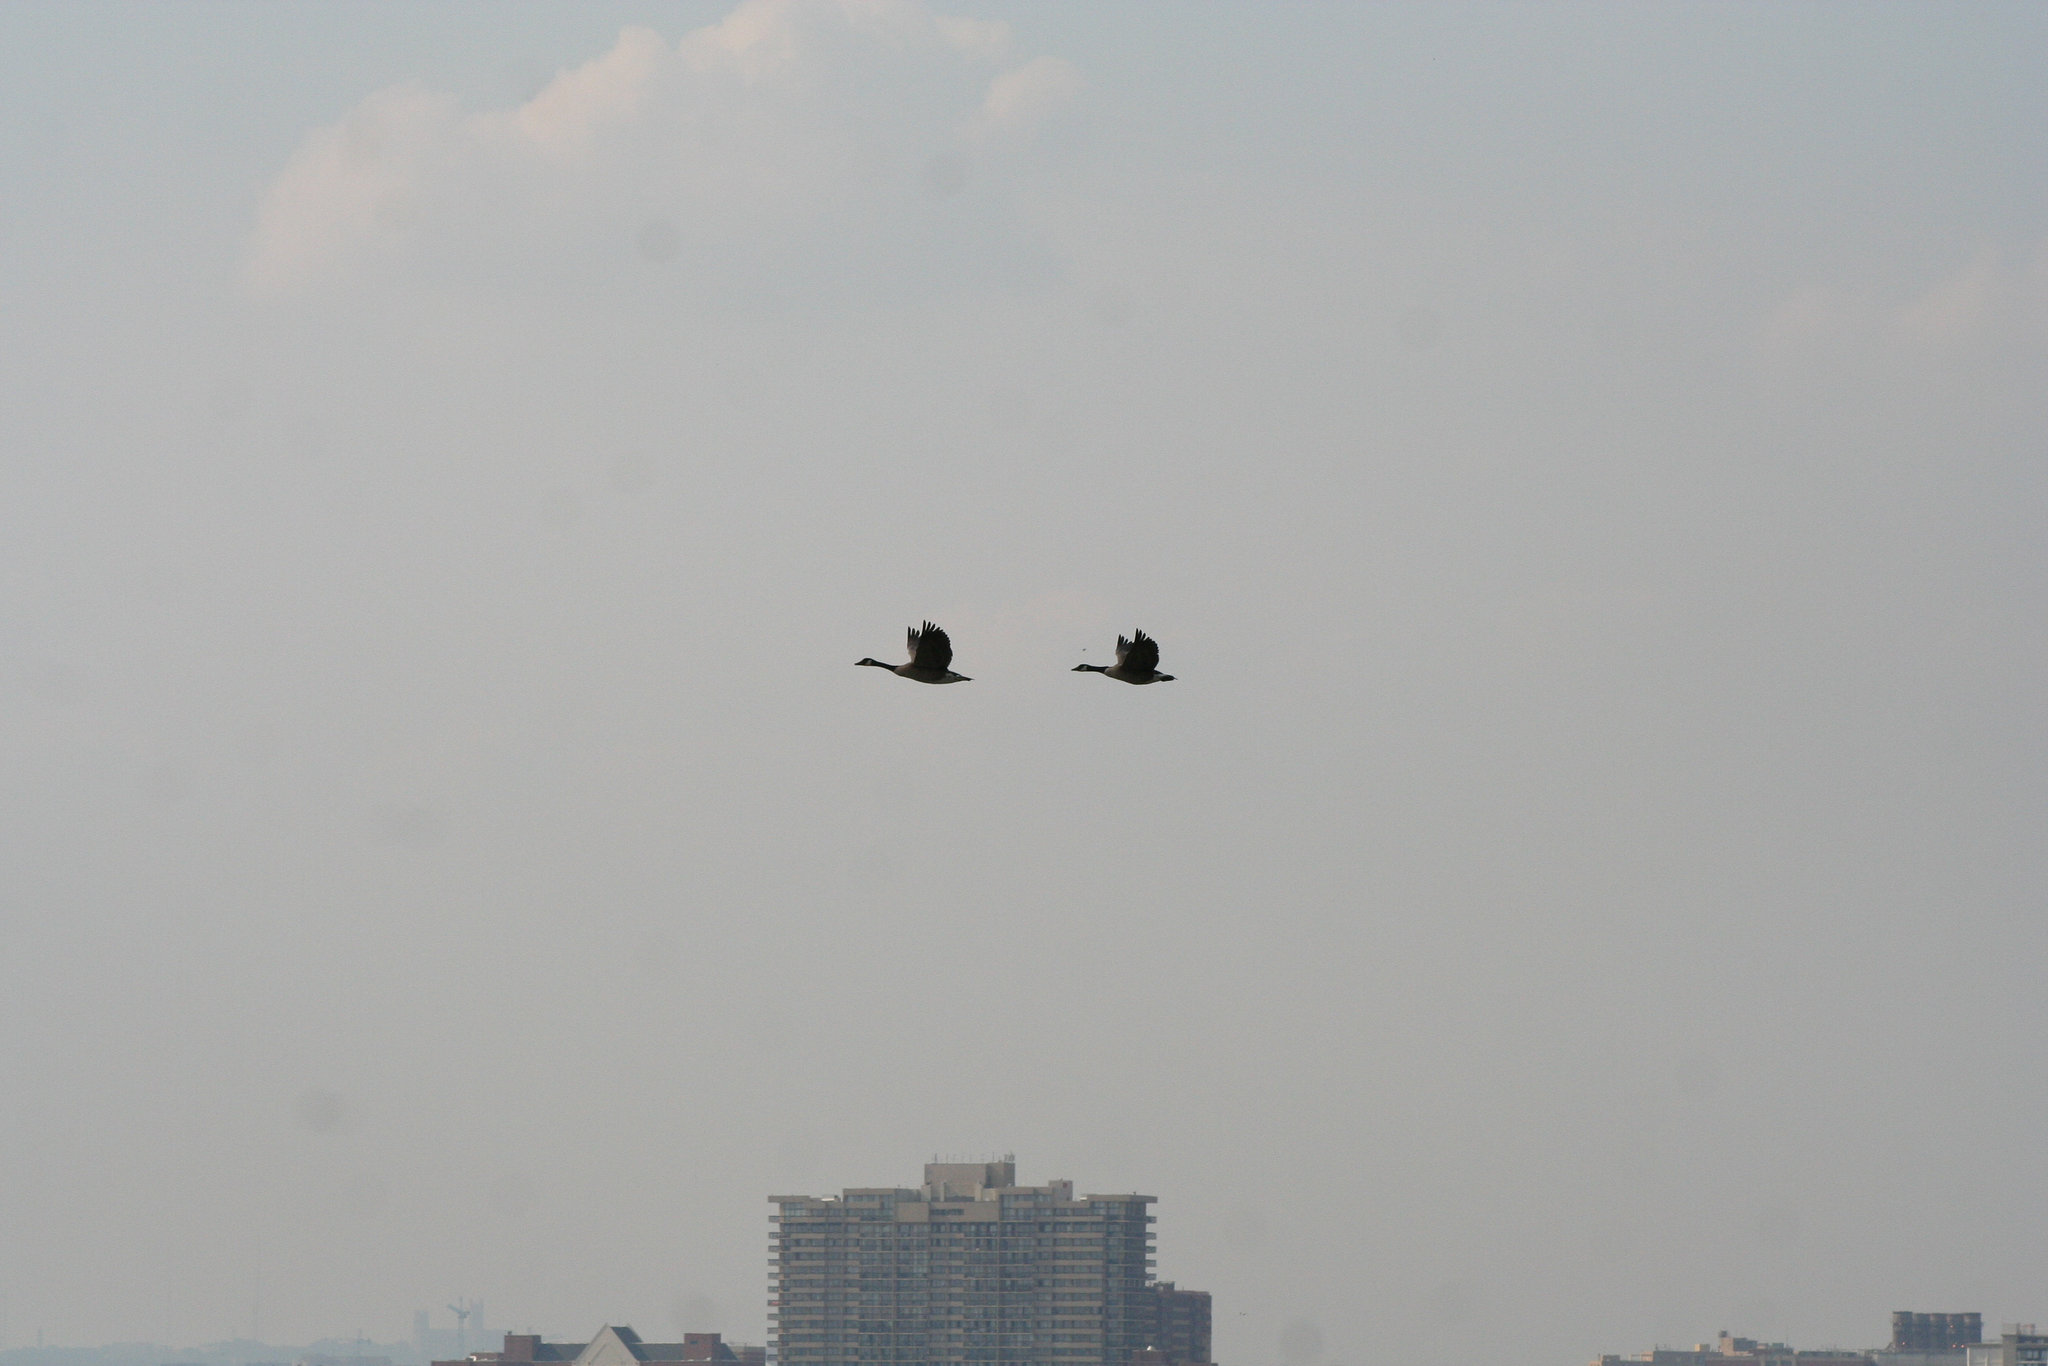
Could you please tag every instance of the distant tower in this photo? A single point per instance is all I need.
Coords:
(462, 1309)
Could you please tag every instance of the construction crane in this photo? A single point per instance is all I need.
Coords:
(462, 1309)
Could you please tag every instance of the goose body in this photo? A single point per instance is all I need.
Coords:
(931, 658)
(1137, 661)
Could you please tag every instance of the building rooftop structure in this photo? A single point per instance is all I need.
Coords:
(1930, 1339)
(1915, 1332)
(617, 1346)
(1917, 1340)
(1729, 1350)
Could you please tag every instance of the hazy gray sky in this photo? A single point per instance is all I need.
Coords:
(1587, 468)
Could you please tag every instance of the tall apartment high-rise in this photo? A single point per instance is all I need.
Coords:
(970, 1267)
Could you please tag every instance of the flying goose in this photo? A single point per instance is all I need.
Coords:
(1137, 661)
(931, 658)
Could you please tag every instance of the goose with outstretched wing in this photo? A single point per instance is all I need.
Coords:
(931, 658)
(1137, 661)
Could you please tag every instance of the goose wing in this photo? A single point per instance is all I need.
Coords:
(930, 648)
(1138, 656)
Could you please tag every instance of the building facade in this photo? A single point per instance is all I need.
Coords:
(1180, 1323)
(2021, 1344)
(969, 1267)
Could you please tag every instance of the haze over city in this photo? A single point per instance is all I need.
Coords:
(1583, 467)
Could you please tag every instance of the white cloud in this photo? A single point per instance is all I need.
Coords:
(1960, 308)
(984, 37)
(1021, 98)
(353, 187)
(786, 119)
(1990, 302)
(576, 109)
